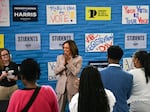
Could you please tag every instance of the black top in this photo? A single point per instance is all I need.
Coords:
(12, 66)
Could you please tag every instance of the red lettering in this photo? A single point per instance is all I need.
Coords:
(142, 21)
(91, 37)
(104, 47)
(66, 18)
(59, 18)
(129, 10)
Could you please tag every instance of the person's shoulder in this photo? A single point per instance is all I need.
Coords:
(104, 70)
(47, 88)
(60, 56)
(127, 75)
(135, 70)
(79, 56)
(17, 92)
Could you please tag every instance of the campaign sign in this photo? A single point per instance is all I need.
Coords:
(135, 40)
(61, 14)
(57, 39)
(4, 13)
(98, 42)
(138, 14)
(25, 13)
(28, 41)
(51, 74)
(98, 13)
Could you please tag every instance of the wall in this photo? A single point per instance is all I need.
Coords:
(46, 55)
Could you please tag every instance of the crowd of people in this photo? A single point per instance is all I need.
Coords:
(109, 90)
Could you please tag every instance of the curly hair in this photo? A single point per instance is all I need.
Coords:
(30, 69)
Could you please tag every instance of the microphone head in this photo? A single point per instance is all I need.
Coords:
(7, 69)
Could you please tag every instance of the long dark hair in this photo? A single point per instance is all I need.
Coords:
(92, 96)
(144, 59)
(73, 47)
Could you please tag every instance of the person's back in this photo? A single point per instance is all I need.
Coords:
(45, 101)
(117, 80)
(92, 96)
(141, 89)
(140, 96)
(120, 83)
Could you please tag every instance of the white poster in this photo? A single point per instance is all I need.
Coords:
(51, 74)
(4, 13)
(28, 41)
(98, 42)
(57, 39)
(61, 14)
(138, 14)
(127, 64)
(135, 40)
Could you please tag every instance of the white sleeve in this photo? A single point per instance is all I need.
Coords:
(111, 98)
(73, 105)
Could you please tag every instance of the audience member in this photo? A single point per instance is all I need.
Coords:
(140, 96)
(117, 80)
(68, 66)
(92, 96)
(46, 99)
(8, 75)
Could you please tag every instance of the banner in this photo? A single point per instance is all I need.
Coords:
(135, 40)
(138, 14)
(25, 13)
(28, 41)
(1, 40)
(128, 64)
(51, 74)
(98, 42)
(98, 13)
(61, 14)
(57, 39)
(4, 13)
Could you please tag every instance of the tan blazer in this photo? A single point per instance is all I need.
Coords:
(67, 75)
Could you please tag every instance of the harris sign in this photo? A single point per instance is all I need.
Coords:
(25, 13)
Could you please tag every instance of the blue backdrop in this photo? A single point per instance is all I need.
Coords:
(46, 55)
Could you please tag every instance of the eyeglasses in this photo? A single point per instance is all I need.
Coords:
(5, 54)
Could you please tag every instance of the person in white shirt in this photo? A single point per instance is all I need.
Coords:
(140, 97)
(92, 97)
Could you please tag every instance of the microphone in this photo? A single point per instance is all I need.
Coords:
(7, 69)
(10, 73)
